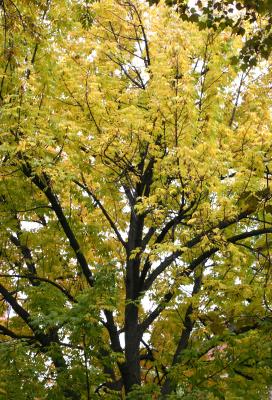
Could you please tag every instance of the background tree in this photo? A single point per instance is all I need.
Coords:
(247, 18)
(135, 206)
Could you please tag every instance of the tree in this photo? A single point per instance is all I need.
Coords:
(238, 16)
(135, 206)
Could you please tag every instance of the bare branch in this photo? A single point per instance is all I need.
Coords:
(123, 69)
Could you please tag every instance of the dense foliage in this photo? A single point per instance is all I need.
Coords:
(251, 19)
(135, 201)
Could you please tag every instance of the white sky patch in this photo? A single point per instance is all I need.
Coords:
(91, 57)
(122, 339)
(192, 3)
(30, 226)
(147, 304)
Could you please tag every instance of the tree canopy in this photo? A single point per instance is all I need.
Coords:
(251, 19)
(135, 201)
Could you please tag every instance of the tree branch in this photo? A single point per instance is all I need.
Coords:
(44, 185)
(191, 243)
(204, 256)
(198, 261)
(110, 325)
(27, 256)
(16, 306)
(188, 325)
(39, 278)
(7, 332)
(104, 211)
(155, 313)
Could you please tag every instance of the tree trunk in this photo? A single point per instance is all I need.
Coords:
(132, 348)
(132, 374)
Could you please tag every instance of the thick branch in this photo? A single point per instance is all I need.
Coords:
(7, 332)
(155, 313)
(204, 256)
(194, 264)
(44, 185)
(16, 306)
(111, 327)
(188, 322)
(45, 340)
(188, 325)
(27, 256)
(162, 266)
